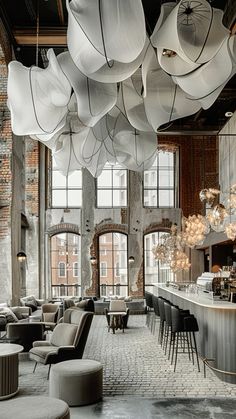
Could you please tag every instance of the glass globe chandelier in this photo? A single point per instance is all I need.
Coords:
(196, 227)
(180, 261)
(209, 195)
(216, 217)
(230, 231)
(171, 250)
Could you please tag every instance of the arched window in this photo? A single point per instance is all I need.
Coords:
(65, 265)
(160, 182)
(113, 272)
(154, 271)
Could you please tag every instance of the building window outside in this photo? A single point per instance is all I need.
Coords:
(115, 260)
(75, 251)
(154, 271)
(66, 191)
(75, 269)
(62, 269)
(103, 269)
(103, 290)
(67, 266)
(112, 187)
(159, 182)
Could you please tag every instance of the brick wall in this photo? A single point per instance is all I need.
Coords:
(31, 177)
(198, 159)
(5, 153)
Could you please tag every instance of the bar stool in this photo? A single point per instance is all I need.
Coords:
(184, 326)
(149, 305)
(156, 317)
(168, 326)
(162, 319)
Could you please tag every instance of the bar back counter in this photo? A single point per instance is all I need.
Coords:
(216, 339)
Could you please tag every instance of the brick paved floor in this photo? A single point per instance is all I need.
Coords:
(135, 365)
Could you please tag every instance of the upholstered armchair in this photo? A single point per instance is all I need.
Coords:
(68, 339)
(117, 315)
(50, 315)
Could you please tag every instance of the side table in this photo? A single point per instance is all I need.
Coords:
(9, 366)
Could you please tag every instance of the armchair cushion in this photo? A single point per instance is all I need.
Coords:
(8, 313)
(49, 317)
(64, 334)
(31, 305)
(40, 353)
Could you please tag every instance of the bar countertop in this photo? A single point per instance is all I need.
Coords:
(197, 299)
(217, 329)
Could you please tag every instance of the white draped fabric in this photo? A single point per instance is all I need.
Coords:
(94, 99)
(209, 76)
(111, 92)
(37, 98)
(111, 36)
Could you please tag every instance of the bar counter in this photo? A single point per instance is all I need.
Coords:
(216, 339)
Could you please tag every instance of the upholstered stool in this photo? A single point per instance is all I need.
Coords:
(35, 407)
(77, 382)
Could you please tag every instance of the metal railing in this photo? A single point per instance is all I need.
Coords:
(66, 290)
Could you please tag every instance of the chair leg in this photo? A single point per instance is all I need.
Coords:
(49, 371)
(195, 347)
(35, 365)
(176, 351)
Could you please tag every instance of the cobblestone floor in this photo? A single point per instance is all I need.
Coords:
(135, 365)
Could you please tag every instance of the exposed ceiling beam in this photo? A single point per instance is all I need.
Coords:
(60, 12)
(47, 36)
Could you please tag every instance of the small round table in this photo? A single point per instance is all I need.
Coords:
(9, 369)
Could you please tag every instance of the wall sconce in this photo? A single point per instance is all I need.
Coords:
(93, 260)
(131, 259)
(21, 256)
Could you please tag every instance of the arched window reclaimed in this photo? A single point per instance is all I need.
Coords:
(113, 272)
(65, 265)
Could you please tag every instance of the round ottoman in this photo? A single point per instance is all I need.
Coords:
(77, 382)
(35, 407)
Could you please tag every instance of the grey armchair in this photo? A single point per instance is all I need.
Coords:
(68, 339)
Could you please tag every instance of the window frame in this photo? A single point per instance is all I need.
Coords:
(67, 190)
(113, 188)
(157, 188)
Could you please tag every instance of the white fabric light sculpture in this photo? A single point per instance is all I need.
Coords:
(107, 44)
(134, 149)
(94, 99)
(193, 32)
(205, 80)
(82, 147)
(38, 98)
(164, 101)
(112, 37)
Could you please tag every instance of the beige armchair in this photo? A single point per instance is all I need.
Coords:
(68, 339)
(117, 315)
(50, 315)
